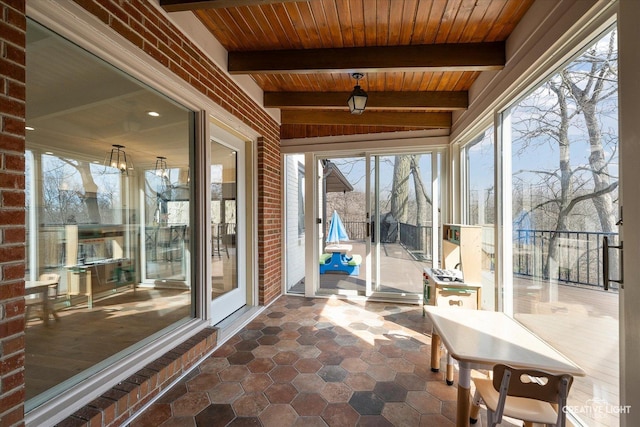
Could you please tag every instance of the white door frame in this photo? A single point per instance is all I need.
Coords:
(226, 304)
(312, 204)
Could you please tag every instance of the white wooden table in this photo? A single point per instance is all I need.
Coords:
(477, 338)
(343, 248)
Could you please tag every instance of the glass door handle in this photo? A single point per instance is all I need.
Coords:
(605, 263)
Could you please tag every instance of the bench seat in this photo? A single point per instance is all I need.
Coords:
(337, 262)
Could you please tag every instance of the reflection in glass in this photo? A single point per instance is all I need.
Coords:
(167, 217)
(480, 204)
(224, 261)
(564, 200)
(404, 230)
(108, 247)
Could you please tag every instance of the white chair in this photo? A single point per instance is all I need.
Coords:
(525, 394)
(53, 278)
(51, 296)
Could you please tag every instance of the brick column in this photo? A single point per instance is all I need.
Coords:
(270, 258)
(12, 213)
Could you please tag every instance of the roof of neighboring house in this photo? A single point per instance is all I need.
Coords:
(336, 182)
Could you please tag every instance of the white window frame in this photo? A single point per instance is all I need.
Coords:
(533, 58)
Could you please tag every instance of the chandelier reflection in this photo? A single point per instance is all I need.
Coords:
(118, 159)
(161, 166)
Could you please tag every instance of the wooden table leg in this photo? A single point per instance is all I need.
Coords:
(475, 409)
(49, 303)
(435, 352)
(45, 305)
(51, 310)
(89, 290)
(464, 394)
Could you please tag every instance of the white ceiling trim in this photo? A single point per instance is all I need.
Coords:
(367, 142)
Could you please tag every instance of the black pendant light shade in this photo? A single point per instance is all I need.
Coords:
(358, 99)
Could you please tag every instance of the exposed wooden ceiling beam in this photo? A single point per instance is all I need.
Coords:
(371, 118)
(435, 57)
(431, 100)
(182, 5)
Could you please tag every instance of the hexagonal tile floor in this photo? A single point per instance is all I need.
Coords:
(315, 362)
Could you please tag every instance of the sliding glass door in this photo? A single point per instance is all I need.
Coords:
(344, 225)
(377, 217)
(403, 205)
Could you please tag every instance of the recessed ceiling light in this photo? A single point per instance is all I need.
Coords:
(48, 152)
(153, 113)
(29, 128)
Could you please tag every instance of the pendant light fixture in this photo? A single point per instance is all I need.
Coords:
(161, 166)
(162, 172)
(118, 159)
(358, 99)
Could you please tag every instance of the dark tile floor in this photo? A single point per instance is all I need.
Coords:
(315, 362)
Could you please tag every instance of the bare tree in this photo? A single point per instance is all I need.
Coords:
(589, 89)
(89, 193)
(400, 188)
(71, 194)
(423, 201)
(582, 93)
(61, 204)
(403, 200)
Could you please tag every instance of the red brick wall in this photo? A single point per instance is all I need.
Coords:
(12, 222)
(144, 26)
(270, 226)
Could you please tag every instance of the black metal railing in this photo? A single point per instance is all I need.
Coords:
(357, 230)
(573, 257)
(416, 239)
(576, 258)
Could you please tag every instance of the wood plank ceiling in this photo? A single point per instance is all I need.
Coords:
(419, 57)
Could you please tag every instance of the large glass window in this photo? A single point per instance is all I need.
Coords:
(563, 199)
(294, 223)
(479, 194)
(108, 215)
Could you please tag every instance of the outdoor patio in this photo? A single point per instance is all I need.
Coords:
(400, 272)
